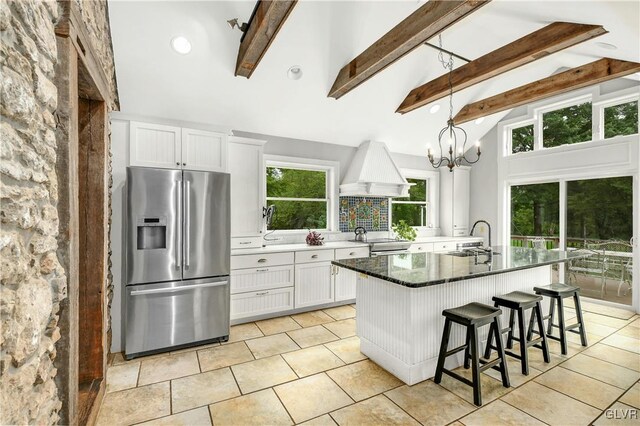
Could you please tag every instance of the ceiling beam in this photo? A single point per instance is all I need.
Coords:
(267, 19)
(550, 39)
(429, 20)
(576, 78)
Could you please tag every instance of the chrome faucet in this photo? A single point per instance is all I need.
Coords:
(488, 225)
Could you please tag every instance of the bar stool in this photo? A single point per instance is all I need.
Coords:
(518, 302)
(472, 316)
(557, 292)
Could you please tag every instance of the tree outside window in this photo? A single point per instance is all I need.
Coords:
(621, 120)
(412, 209)
(572, 124)
(522, 139)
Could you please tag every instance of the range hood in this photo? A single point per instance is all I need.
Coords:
(374, 173)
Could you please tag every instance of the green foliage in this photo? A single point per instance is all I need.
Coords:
(404, 231)
(620, 120)
(417, 192)
(408, 212)
(522, 139)
(567, 125)
(535, 209)
(297, 183)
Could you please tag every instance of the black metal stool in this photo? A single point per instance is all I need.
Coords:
(472, 316)
(557, 292)
(518, 302)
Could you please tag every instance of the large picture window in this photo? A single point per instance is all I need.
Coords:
(414, 208)
(300, 196)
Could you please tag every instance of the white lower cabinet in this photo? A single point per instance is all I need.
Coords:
(313, 284)
(251, 304)
(243, 280)
(345, 283)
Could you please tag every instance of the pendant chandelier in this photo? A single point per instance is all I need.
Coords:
(452, 136)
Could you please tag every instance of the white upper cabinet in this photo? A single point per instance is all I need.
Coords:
(202, 150)
(247, 182)
(170, 147)
(454, 202)
(154, 145)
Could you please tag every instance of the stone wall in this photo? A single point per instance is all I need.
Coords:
(32, 281)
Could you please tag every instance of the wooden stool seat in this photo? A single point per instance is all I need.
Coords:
(556, 289)
(472, 316)
(518, 302)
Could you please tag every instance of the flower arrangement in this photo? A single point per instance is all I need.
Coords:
(314, 238)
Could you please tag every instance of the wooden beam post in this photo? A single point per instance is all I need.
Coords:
(429, 20)
(266, 21)
(550, 39)
(586, 75)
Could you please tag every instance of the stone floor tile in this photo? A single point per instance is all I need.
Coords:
(309, 319)
(602, 370)
(202, 389)
(491, 388)
(324, 420)
(623, 342)
(343, 328)
(311, 397)
(341, 312)
(617, 356)
(516, 378)
(580, 387)
(198, 417)
(374, 411)
(260, 408)
(618, 414)
(264, 347)
(630, 331)
(609, 311)
(598, 329)
(536, 359)
(262, 373)
(135, 405)
(195, 348)
(312, 336)
(499, 413)
(348, 350)
(632, 397)
(168, 367)
(550, 406)
(430, 404)
(224, 356)
(572, 348)
(634, 322)
(122, 376)
(592, 339)
(363, 379)
(604, 320)
(277, 325)
(243, 332)
(315, 359)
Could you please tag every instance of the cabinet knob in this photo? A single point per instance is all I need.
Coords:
(184, 164)
(177, 164)
(315, 256)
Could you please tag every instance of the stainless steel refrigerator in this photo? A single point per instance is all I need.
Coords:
(177, 259)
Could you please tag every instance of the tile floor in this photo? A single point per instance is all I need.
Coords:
(307, 368)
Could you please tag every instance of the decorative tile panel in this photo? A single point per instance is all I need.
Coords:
(371, 213)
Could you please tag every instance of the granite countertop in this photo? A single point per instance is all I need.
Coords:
(279, 248)
(425, 269)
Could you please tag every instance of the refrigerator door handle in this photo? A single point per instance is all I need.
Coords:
(179, 225)
(174, 289)
(187, 222)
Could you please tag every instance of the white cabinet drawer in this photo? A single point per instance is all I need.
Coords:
(246, 242)
(352, 253)
(244, 280)
(245, 305)
(261, 260)
(421, 247)
(308, 256)
(445, 246)
(462, 232)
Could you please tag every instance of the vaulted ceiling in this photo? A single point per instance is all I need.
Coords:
(321, 37)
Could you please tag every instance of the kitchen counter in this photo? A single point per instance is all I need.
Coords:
(426, 269)
(279, 248)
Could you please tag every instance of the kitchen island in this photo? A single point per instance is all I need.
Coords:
(400, 299)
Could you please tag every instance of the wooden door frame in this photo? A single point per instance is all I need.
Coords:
(82, 88)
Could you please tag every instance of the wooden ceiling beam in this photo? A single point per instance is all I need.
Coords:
(429, 20)
(550, 39)
(267, 19)
(576, 78)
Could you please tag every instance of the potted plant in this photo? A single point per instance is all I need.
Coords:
(404, 231)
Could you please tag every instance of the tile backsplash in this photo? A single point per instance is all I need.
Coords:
(371, 213)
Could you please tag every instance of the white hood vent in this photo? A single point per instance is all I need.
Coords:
(374, 173)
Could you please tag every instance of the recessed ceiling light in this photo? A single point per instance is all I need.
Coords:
(434, 109)
(294, 72)
(607, 46)
(479, 120)
(181, 45)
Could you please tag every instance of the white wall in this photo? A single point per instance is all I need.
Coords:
(483, 202)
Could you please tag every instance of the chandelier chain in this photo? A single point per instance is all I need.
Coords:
(447, 65)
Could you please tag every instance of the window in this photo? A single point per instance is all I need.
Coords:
(621, 119)
(300, 196)
(522, 139)
(534, 213)
(567, 125)
(412, 209)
